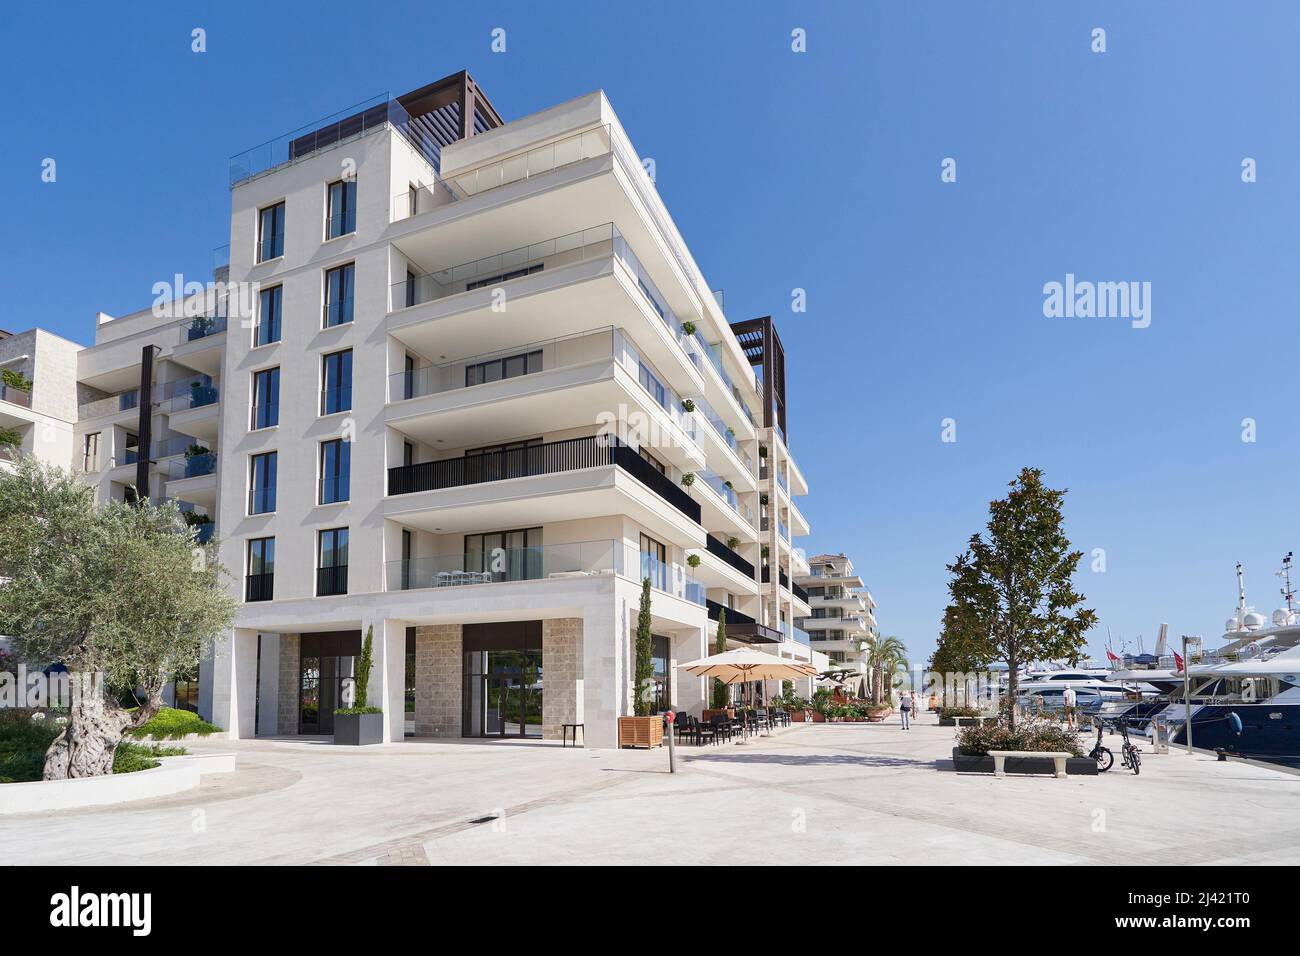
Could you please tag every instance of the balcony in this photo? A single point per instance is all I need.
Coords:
(259, 587)
(332, 130)
(726, 554)
(112, 405)
(554, 561)
(742, 627)
(202, 327)
(542, 459)
(15, 396)
(332, 580)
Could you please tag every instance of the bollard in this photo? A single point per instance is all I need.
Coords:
(669, 717)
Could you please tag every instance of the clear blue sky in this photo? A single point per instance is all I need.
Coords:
(820, 171)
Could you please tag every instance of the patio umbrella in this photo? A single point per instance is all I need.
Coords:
(743, 664)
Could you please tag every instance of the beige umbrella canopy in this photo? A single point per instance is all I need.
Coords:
(743, 664)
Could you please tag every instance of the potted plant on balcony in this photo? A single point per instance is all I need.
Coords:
(643, 729)
(688, 405)
(762, 451)
(359, 724)
(762, 499)
(688, 328)
(733, 542)
(688, 479)
(693, 560)
(15, 380)
(10, 440)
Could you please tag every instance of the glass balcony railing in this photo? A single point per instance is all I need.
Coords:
(553, 561)
(188, 393)
(495, 270)
(726, 433)
(15, 396)
(727, 493)
(193, 466)
(110, 405)
(202, 327)
(330, 131)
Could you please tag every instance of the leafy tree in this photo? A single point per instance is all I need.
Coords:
(1012, 590)
(720, 693)
(644, 675)
(962, 649)
(122, 592)
(364, 666)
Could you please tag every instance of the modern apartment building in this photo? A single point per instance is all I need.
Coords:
(37, 419)
(841, 617)
(461, 386)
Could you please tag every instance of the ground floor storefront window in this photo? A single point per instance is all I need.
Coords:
(325, 661)
(503, 680)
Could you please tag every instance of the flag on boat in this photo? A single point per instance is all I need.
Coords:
(1111, 657)
(1178, 661)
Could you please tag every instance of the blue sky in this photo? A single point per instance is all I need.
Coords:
(817, 171)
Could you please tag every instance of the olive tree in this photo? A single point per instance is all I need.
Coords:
(122, 595)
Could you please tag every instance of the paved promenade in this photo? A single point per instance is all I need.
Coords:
(816, 794)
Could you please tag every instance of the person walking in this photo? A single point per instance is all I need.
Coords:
(905, 711)
(1069, 698)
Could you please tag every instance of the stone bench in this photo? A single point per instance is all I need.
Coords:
(978, 720)
(1000, 757)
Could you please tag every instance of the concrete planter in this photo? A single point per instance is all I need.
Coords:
(951, 722)
(1081, 766)
(357, 730)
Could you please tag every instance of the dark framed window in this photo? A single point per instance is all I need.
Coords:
(270, 232)
(332, 562)
(336, 382)
(408, 540)
(268, 316)
(266, 398)
(261, 492)
(408, 454)
(410, 288)
(335, 470)
(90, 452)
(660, 651)
(654, 562)
(511, 366)
(408, 377)
(505, 555)
(650, 382)
(338, 295)
(342, 209)
(260, 580)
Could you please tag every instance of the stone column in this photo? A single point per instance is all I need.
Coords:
(290, 676)
(438, 680)
(234, 684)
(388, 676)
(689, 692)
(562, 684)
(268, 686)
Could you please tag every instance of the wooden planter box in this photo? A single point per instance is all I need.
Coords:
(798, 716)
(728, 712)
(1082, 766)
(818, 718)
(641, 731)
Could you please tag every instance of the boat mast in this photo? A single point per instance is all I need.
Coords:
(1241, 597)
(1285, 574)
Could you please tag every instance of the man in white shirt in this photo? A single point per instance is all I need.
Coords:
(1069, 699)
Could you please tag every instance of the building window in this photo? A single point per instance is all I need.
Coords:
(504, 277)
(336, 382)
(512, 366)
(408, 454)
(332, 562)
(342, 218)
(650, 382)
(90, 452)
(268, 316)
(407, 549)
(505, 555)
(270, 232)
(335, 470)
(654, 563)
(659, 654)
(338, 295)
(261, 495)
(260, 581)
(408, 377)
(266, 398)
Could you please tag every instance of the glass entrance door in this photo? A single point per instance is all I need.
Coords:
(320, 691)
(503, 693)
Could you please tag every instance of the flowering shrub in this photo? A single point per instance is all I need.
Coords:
(978, 741)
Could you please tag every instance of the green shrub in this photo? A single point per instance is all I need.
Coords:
(352, 711)
(132, 758)
(23, 743)
(959, 711)
(978, 741)
(172, 724)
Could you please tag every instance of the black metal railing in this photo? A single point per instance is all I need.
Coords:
(720, 550)
(733, 616)
(742, 627)
(799, 592)
(332, 580)
(541, 459)
(782, 576)
(259, 587)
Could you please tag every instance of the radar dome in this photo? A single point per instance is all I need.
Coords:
(1253, 620)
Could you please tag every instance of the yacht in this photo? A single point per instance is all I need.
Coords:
(1243, 697)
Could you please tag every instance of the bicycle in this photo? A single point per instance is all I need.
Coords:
(1105, 759)
(1131, 755)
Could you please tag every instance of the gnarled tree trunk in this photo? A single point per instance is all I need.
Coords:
(92, 734)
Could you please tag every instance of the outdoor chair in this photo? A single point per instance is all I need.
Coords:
(722, 727)
(702, 731)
